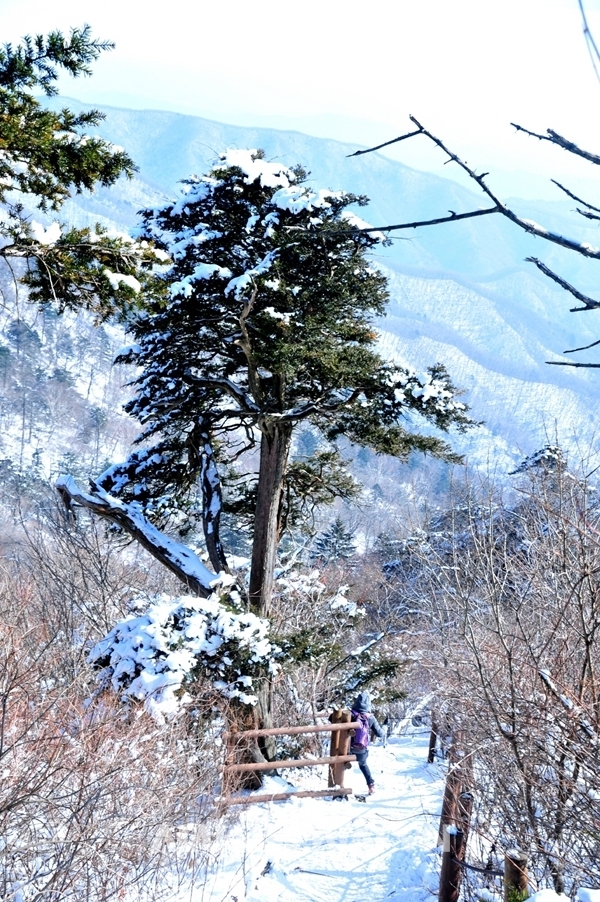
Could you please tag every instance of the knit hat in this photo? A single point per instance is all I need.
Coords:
(362, 703)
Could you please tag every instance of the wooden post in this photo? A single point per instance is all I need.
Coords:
(432, 739)
(515, 876)
(449, 803)
(451, 873)
(342, 749)
(335, 717)
(463, 816)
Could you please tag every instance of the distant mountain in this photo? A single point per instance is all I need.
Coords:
(460, 293)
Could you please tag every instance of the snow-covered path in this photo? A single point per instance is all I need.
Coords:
(316, 850)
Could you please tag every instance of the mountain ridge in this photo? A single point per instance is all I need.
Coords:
(461, 292)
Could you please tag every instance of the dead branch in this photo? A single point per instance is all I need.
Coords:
(574, 196)
(176, 557)
(585, 249)
(357, 153)
(569, 363)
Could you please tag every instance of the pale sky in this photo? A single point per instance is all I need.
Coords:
(351, 70)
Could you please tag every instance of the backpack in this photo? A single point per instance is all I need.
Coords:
(361, 735)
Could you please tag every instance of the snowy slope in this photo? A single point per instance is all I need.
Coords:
(461, 294)
(316, 850)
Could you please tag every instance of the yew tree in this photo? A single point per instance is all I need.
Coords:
(267, 323)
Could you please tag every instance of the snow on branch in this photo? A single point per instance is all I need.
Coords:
(178, 558)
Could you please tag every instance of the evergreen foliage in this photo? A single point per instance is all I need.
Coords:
(335, 544)
(267, 324)
(44, 157)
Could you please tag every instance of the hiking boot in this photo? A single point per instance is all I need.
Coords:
(371, 788)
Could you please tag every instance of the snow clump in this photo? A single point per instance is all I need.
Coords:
(155, 656)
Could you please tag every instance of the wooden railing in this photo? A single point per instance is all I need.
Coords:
(339, 729)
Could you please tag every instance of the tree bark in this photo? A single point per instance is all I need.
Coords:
(274, 451)
(201, 456)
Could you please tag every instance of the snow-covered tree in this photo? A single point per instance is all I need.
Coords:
(268, 324)
(45, 156)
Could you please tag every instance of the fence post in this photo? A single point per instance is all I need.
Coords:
(432, 739)
(451, 792)
(334, 717)
(515, 876)
(342, 749)
(463, 816)
(450, 875)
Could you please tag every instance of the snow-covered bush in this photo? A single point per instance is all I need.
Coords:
(156, 656)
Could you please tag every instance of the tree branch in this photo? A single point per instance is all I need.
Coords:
(586, 250)
(358, 153)
(584, 348)
(230, 387)
(589, 366)
(589, 40)
(454, 217)
(574, 196)
(176, 557)
(554, 138)
(589, 303)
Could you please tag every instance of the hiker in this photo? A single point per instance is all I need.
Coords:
(359, 746)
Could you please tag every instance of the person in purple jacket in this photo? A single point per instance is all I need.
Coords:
(359, 746)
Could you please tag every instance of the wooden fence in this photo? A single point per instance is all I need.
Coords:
(339, 729)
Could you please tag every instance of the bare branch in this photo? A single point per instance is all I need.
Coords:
(554, 138)
(584, 348)
(585, 249)
(454, 217)
(589, 40)
(587, 214)
(357, 153)
(574, 196)
(588, 366)
(590, 303)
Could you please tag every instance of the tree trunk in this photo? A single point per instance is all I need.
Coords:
(212, 504)
(264, 716)
(274, 451)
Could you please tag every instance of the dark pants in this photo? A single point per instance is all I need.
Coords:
(361, 759)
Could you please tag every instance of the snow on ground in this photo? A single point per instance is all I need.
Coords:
(316, 850)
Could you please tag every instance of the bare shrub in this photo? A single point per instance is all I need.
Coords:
(509, 598)
(94, 794)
